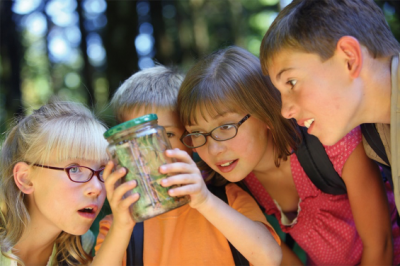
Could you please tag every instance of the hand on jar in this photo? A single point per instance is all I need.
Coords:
(187, 176)
(119, 205)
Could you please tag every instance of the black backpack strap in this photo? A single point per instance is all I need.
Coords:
(134, 252)
(220, 193)
(374, 140)
(317, 165)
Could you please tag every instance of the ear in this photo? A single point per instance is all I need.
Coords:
(21, 173)
(350, 49)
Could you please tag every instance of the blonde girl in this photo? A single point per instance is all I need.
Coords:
(52, 186)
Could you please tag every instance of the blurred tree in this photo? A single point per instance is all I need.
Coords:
(10, 66)
(87, 48)
(87, 71)
(391, 10)
(119, 42)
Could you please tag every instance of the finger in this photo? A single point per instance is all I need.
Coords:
(180, 179)
(122, 189)
(128, 201)
(108, 169)
(178, 167)
(111, 179)
(184, 190)
(180, 155)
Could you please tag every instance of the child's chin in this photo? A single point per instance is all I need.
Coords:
(81, 230)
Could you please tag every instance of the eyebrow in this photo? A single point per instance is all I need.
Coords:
(220, 115)
(278, 76)
(213, 118)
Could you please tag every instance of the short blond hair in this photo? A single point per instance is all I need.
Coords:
(152, 87)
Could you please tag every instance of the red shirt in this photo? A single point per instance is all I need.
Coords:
(325, 227)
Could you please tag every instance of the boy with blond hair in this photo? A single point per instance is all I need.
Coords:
(206, 231)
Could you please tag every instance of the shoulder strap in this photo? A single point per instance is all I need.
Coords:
(134, 252)
(317, 165)
(374, 140)
(221, 193)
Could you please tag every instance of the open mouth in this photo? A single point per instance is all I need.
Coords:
(228, 163)
(86, 210)
(308, 123)
(228, 166)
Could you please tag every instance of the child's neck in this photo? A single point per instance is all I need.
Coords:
(377, 81)
(36, 244)
(267, 163)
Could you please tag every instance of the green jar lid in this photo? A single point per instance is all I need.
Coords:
(128, 124)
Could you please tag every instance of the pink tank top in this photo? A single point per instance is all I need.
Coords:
(324, 227)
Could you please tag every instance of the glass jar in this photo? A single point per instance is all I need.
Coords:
(139, 145)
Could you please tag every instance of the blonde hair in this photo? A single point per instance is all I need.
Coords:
(60, 131)
(152, 87)
(231, 80)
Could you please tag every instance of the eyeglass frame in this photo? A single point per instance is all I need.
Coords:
(66, 169)
(236, 125)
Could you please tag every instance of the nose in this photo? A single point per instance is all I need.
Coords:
(215, 147)
(94, 187)
(288, 109)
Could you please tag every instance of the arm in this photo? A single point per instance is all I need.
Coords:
(104, 228)
(254, 241)
(289, 257)
(112, 248)
(370, 207)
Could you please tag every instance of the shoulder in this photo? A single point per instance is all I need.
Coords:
(239, 198)
(340, 152)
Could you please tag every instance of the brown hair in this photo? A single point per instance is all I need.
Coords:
(231, 80)
(315, 26)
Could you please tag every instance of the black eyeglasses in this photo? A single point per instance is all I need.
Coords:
(221, 133)
(78, 174)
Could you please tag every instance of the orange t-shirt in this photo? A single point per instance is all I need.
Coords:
(184, 237)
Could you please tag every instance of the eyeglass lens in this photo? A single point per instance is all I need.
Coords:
(82, 174)
(223, 132)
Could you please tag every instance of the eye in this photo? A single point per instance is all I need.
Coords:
(292, 82)
(101, 174)
(170, 135)
(74, 170)
(195, 135)
(226, 127)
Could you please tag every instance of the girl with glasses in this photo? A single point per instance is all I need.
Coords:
(52, 188)
(231, 112)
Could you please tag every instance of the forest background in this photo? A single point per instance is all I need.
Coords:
(82, 50)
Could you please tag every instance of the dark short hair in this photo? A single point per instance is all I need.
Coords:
(315, 26)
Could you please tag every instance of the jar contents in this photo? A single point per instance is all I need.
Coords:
(139, 145)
